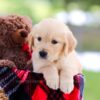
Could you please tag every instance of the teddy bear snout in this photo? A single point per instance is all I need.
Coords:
(23, 33)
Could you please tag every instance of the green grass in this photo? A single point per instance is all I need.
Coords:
(92, 86)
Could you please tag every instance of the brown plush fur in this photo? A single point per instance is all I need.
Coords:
(14, 31)
(11, 40)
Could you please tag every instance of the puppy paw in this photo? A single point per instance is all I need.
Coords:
(51, 83)
(51, 76)
(66, 87)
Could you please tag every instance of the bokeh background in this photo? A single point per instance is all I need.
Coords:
(83, 18)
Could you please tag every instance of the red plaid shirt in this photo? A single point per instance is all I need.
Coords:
(26, 85)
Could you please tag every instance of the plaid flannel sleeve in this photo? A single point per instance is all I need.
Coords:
(25, 85)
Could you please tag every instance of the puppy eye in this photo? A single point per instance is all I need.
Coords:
(54, 42)
(39, 38)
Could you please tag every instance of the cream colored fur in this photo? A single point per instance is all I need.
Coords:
(61, 63)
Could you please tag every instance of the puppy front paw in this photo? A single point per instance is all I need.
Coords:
(51, 76)
(66, 87)
(52, 83)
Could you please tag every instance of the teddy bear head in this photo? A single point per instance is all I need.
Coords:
(15, 27)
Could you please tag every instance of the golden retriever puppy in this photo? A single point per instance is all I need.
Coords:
(54, 54)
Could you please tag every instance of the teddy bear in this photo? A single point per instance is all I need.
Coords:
(14, 31)
(14, 50)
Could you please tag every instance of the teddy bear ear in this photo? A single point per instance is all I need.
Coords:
(28, 21)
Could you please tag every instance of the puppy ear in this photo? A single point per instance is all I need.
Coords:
(30, 41)
(70, 43)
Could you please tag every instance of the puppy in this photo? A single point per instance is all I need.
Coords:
(54, 54)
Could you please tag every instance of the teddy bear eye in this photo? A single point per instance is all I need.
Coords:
(39, 38)
(54, 42)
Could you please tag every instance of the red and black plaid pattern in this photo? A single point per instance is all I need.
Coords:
(26, 85)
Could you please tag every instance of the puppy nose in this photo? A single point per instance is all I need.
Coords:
(23, 33)
(43, 54)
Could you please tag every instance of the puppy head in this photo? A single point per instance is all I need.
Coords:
(52, 39)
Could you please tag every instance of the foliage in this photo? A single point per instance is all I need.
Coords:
(39, 9)
(83, 4)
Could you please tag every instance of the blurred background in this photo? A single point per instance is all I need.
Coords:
(83, 18)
